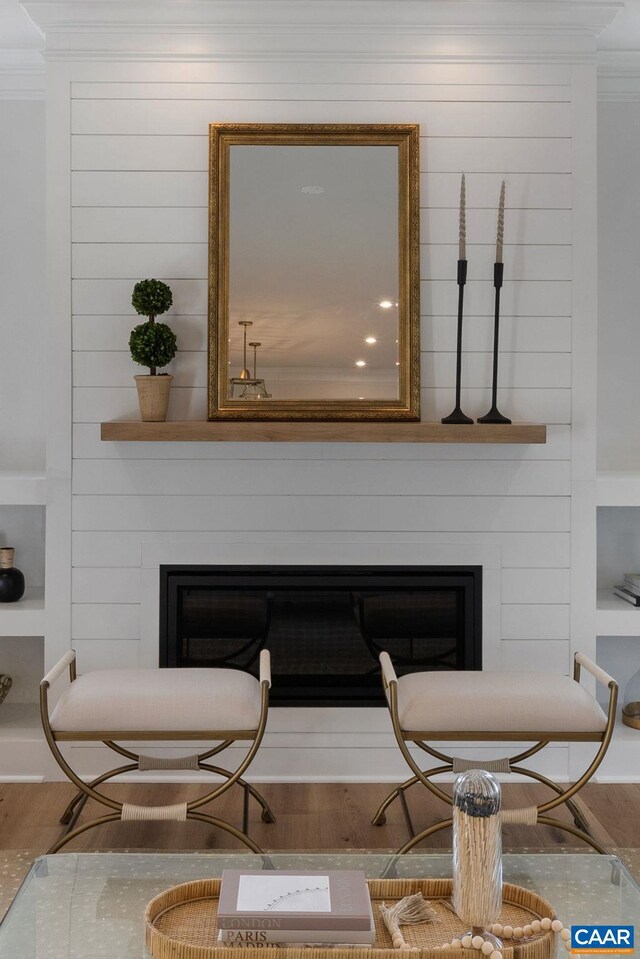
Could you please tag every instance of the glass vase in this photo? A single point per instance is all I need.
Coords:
(477, 851)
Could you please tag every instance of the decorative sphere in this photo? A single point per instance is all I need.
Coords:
(477, 942)
(545, 924)
(518, 932)
(565, 934)
(152, 344)
(496, 954)
(151, 297)
(456, 944)
(536, 925)
(556, 925)
(487, 948)
(507, 932)
(528, 931)
(466, 942)
(497, 929)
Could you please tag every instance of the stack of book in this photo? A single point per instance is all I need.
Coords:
(262, 909)
(630, 589)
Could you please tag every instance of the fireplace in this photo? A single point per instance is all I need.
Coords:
(324, 625)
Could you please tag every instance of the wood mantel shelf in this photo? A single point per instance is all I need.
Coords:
(228, 431)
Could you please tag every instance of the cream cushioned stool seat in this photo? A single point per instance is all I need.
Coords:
(493, 707)
(162, 700)
(496, 702)
(218, 707)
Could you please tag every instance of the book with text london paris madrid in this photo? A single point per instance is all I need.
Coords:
(331, 899)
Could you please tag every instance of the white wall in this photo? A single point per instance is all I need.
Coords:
(619, 304)
(23, 305)
(138, 146)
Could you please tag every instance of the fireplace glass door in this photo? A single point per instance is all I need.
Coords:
(325, 628)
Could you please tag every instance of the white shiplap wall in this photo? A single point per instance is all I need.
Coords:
(139, 208)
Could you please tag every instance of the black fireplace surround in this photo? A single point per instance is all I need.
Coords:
(324, 625)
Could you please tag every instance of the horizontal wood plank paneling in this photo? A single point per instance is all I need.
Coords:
(439, 262)
(548, 191)
(475, 154)
(87, 445)
(129, 260)
(97, 654)
(105, 621)
(370, 478)
(139, 198)
(535, 621)
(308, 91)
(518, 370)
(104, 224)
(522, 549)
(327, 512)
(146, 188)
(147, 154)
(521, 226)
(95, 404)
(521, 334)
(111, 332)
(523, 655)
(180, 188)
(139, 225)
(105, 585)
(523, 586)
(525, 405)
(525, 298)
(191, 117)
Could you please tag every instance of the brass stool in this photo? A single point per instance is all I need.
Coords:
(156, 705)
(497, 707)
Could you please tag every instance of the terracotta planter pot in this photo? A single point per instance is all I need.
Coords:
(153, 397)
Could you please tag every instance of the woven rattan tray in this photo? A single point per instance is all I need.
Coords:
(180, 923)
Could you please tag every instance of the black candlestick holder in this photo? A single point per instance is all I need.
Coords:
(457, 416)
(494, 415)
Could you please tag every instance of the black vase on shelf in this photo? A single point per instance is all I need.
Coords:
(11, 579)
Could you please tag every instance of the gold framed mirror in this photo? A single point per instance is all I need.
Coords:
(314, 272)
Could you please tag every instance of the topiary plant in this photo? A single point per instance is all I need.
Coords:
(152, 344)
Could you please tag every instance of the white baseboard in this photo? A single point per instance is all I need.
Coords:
(22, 779)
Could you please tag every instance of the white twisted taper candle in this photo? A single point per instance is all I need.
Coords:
(500, 238)
(462, 241)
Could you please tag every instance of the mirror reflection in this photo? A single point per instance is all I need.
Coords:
(314, 271)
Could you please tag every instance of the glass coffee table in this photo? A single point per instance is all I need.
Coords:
(91, 905)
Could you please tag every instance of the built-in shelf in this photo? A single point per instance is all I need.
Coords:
(19, 488)
(298, 432)
(24, 618)
(615, 617)
(20, 721)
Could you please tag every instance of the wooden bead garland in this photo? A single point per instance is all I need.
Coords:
(488, 949)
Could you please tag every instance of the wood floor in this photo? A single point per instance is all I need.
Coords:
(309, 816)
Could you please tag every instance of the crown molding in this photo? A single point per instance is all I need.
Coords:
(212, 29)
(22, 75)
(619, 76)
